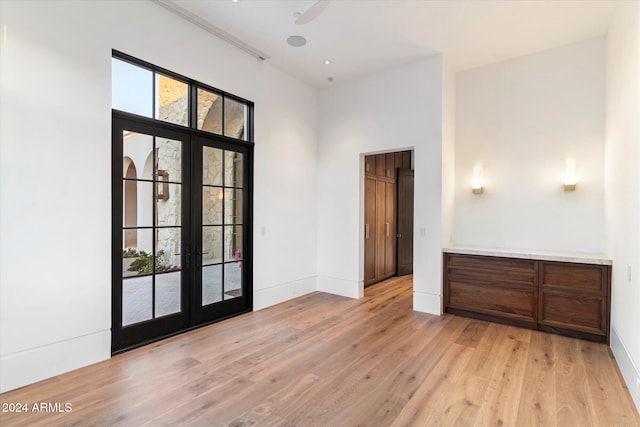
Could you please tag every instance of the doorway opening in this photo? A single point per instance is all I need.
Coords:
(388, 216)
(182, 203)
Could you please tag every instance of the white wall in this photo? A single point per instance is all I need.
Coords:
(623, 187)
(55, 188)
(520, 119)
(448, 152)
(393, 110)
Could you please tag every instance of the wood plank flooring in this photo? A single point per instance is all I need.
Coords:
(325, 360)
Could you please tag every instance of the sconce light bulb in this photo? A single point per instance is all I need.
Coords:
(570, 174)
(476, 185)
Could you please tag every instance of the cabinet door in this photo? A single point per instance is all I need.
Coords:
(575, 311)
(504, 288)
(381, 165)
(370, 231)
(370, 164)
(390, 229)
(380, 232)
(390, 165)
(574, 297)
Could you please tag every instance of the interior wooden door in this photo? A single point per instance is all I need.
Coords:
(370, 231)
(405, 222)
(390, 229)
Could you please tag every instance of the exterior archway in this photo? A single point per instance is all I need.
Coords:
(130, 199)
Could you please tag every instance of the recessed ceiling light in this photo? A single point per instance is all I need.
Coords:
(235, 1)
(296, 41)
(327, 61)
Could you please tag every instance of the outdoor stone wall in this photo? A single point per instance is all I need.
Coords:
(173, 108)
(169, 159)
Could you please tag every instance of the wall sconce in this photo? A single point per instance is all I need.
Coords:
(570, 174)
(162, 186)
(476, 186)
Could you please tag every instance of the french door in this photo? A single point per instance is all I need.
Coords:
(182, 235)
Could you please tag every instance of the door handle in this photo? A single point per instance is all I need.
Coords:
(398, 235)
(187, 255)
(386, 224)
(366, 231)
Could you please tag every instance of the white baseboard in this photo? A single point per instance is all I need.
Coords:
(427, 303)
(263, 298)
(29, 366)
(629, 371)
(345, 288)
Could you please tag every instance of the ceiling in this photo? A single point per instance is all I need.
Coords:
(364, 36)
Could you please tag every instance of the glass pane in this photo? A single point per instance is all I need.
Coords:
(137, 252)
(232, 206)
(136, 299)
(169, 204)
(211, 284)
(172, 100)
(232, 280)
(137, 205)
(212, 205)
(209, 111)
(233, 163)
(211, 166)
(211, 245)
(167, 293)
(131, 88)
(137, 155)
(233, 243)
(168, 250)
(235, 118)
(169, 159)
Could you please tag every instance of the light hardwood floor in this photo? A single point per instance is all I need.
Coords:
(326, 360)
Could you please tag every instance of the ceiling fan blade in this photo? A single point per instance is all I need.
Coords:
(313, 12)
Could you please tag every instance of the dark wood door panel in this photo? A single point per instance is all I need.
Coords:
(390, 230)
(370, 231)
(573, 310)
(381, 165)
(584, 277)
(390, 166)
(516, 304)
(405, 221)
(504, 272)
(380, 227)
(493, 264)
(370, 164)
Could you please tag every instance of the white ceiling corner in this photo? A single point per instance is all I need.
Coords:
(364, 36)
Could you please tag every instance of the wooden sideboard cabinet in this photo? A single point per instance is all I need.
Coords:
(566, 298)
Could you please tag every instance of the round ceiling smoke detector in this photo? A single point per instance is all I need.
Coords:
(296, 41)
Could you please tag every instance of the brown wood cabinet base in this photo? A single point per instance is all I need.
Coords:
(564, 298)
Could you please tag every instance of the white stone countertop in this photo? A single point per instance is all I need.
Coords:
(577, 257)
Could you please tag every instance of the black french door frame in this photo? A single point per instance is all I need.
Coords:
(192, 314)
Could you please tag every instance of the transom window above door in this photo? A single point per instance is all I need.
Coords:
(159, 94)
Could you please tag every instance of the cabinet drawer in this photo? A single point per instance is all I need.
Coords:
(573, 310)
(516, 304)
(582, 277)
(502, 272)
